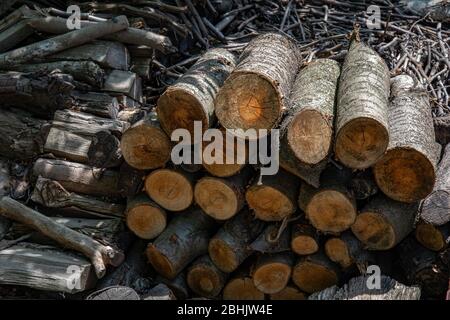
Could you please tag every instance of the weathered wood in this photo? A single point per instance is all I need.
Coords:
(435, 238)
(290, 292)
(104, 150)
(131, 115)
(185, 238)
(230, 245)
(272, 240)
(407, 172)
(130, 180)
(144, 217)
(273, 197)
(45, 268)
(292, 165)
(159, 292)
(347, 250)
(124, 82)
(272, 272)
(384, 222)
(442, 129)
(178, 285)
(145, 145)
(77, 177)
(114, 293)
(142, 66)
(256, 93)
(304, 239)
(204, 278)
(100, 255)
(67, 145)
(362, 134)
(192, 97)
(99, 104)
(14, 35)
(436, 206)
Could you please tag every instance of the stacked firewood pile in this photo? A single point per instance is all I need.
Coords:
(92, 200)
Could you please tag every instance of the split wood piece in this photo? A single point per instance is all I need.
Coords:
(230, 246)
(185, 238)
(241, 287)
(172, 189)
(87, 124)
(52, 194)
(100, 255)
(407, 172)
(435, 238)
(274, 197)
(384, 222)
(424, 268)
(135, 36)
(290, 292)
(99, 104)
(111, 55)
(272, 272)
(315, 272)
(22, 137)
(304, 239)
(59, 43)
(14, 17)
(363, 185)
(67, 145)
(222, 198)
(84, 71)
(114, 293)
(220, 167)
(347, 250)
(78, 177)
(130, 180)
(356, 289)
(120, 82)
(45, 268)
(273, 240)
(292, 165)
(145, 145)
(142, 66)
(362, 132)
(192, 97)
(14, 35)
(307, 129)
(104, 150)
(178, 285)
(436, 206)
(131, 115)
(145, 218)
(37, 93)
(204, 278)
(442, 129)
(159, 292)
(256, 93)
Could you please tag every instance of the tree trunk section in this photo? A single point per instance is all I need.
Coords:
(104, 150)
(99, 104)
(290, 292)
(304, 239)
(241, 286)
(272, 272)
(204, 278)
(435, 238)
(67, 145)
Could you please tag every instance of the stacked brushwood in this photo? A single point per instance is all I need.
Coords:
(92, 203)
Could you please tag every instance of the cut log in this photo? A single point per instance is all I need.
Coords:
(241, 287)
(145, 145)
(307, 129)
(21, 137)
(192, 97)
(104, 150)
(304, 239)
(292, 165)
(204, 278)
(159, 292)
(77, 177)
(230, 246)
(99, 104)
(178, 285)
(384, 222)
(114, 293)
(442, 130)
(124, 82)
(14, 35)
(59, 43)
(407, 172)
(130, 180)
(255, 95)
(362, 134)
(45, 268)
(131, 115)
(172, 189)
(290, 292)
(185, 238)
(435, 238)
(436, 206)
(100, 255)
(274, 197)
(222, 198)
(356, 289)
(315, 272)
(272, 272)
(52, 194)
(273, 239)
(347, 250)
(67, 145)
(363, 185)
(142, 66)
(424, 268)
(145, 218)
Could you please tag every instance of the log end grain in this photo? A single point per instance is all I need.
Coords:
(242, 289)
(337, 251)
(223, 255)
(289, 293)
(374, 231)
(204, 280)
(268, 203)
(223, 170)
(272, 277)
(146, 221)
(160, 262)
(430, 237)
(436, 208)
(304, 244)
(405, 175)
(314, 275)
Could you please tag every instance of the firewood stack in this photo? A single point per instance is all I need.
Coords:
(91, 197)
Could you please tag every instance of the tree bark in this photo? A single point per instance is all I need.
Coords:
(272, 272)
(130, 180)
(256, 93)
(442, 129)
(104, 150)
(178, 285)
(304, 239)
(192, 97)
(204, 278)
(272, 240)
(241, 286)
(99, 104)
(362, 134)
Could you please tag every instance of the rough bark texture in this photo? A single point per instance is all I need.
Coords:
(362, 123)
(192, 97)
(99, 104)
(304, 239)
(272, 240)
(104, 150)
(204, 278)
(159, 292)
(272, 272)
(436, 206)
(231, 244)
(292, 165)
(384, 222)
(185, 238)
(114, 293)
(178, 285)
(273, 197)
(442, 129)
(407, 172)
(130, 180)
(307, 129)
(256, 93)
